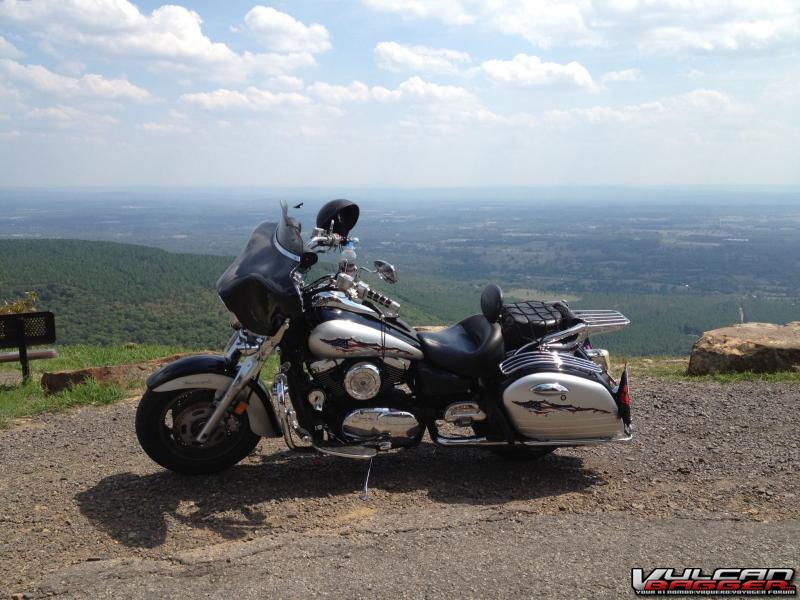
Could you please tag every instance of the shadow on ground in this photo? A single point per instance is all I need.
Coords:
(134, 509)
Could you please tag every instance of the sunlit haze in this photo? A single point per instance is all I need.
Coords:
(399, 93)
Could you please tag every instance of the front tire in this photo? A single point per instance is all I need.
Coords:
(167, 422)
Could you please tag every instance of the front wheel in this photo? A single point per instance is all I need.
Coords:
(167, 424)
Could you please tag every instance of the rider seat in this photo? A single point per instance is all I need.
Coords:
(473, 347)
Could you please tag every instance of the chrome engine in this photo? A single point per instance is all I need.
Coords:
(397, 427)
(361, 381)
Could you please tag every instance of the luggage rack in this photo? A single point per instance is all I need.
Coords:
(602, 321)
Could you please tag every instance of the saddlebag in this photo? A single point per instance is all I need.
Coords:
(524, 322)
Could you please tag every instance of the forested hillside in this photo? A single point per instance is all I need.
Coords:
(104, 293)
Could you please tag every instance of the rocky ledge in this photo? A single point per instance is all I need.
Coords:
(121, 375)
(757, 347)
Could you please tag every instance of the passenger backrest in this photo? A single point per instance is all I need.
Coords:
(492, 302)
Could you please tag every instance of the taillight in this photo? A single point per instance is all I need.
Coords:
(623, 397)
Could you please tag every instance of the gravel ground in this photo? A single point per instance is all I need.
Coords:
(710, 480)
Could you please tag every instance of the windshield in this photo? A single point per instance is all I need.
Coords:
(288, 233)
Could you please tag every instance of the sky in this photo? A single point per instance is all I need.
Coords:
(399, 93)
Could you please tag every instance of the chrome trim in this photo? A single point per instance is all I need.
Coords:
(548, 360)
(578, 442)
(482, 441)
(580, 328)
(475, 440)
(341, 301)
(401, 364)
(281, 249)
(362, 381)
(355, 452)
(324, 365)
(316, 398)
(464, 411)
(548, 389)
(599, 356)
(282, 403)
(248, 369)
(380, 425)
(602, 321)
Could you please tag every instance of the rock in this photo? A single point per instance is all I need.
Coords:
(121, 375)
(757, 347)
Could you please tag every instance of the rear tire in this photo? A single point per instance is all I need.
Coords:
(166, 422)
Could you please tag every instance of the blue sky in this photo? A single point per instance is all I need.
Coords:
(400, 92)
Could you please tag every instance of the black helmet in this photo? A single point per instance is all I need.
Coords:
(342, 213)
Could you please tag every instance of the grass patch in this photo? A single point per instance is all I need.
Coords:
(25, 400)
(81, 356)
(28, 399)
(671, 367)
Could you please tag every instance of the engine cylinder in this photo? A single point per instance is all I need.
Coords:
(362, 381)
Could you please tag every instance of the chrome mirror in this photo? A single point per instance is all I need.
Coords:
(385, 271)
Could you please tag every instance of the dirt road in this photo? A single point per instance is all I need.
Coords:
(711, 480)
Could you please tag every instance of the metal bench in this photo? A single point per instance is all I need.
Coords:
(20, 330)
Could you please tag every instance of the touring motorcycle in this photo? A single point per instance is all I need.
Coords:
(354, 379)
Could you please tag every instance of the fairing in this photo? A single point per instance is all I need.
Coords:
(258, 286)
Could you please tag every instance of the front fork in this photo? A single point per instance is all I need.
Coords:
(282, 404)
(248, 370)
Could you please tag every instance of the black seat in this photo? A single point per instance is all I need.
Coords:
(473, 347)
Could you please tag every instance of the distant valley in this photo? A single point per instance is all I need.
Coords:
(675, 263)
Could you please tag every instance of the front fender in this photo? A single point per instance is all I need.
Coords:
(215, 372)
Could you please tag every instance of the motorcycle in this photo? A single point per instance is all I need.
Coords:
(354, 379)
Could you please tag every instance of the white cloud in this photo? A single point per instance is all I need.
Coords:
(727, 36)
(68, 116)
(693, 74)
(56, 113)
(451, 12)
(529, 71)
(338, 94)
(284, 82)
(160, 127)
(653, 25)
(625, 75)
(431, 106)
(412, 89)
(278, 31)
(91, 85)
(171, 37)
(700, 102)
(8, 49)
(251, 98)
(541, 22)
(423, 59)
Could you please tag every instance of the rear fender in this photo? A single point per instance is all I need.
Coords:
(216, 372)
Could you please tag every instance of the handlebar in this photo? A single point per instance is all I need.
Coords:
(323, 239)
(381, 299)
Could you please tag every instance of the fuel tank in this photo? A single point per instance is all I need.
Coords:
(559, 406)
(343, 338)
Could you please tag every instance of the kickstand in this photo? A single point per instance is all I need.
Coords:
(366, 481)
